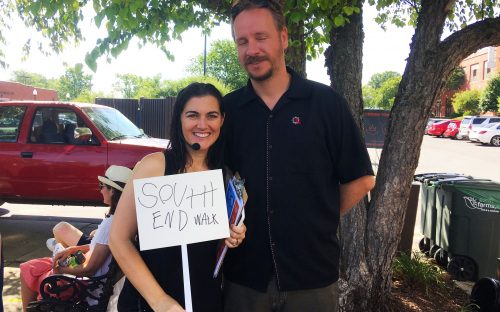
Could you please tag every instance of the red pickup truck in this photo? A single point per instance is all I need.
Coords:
(52, 152)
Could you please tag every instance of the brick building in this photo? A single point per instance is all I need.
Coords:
(18, 91)
(479, 68)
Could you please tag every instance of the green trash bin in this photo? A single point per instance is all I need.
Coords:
(428, 213)
(440, 253)
(469, 227)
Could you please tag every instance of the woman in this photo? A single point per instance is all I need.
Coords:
(97, 253)
(195, 145)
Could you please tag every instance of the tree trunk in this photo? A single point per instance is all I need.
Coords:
(370, 237)
(296, 52)
(343, 60)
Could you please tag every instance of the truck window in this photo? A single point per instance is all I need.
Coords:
(10, 122)
(59, 126)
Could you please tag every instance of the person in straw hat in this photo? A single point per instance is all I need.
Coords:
(69, 235)
(97, 252)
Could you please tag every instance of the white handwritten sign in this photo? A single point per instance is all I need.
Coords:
(180, 209)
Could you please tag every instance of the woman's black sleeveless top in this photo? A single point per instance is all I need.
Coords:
(166, 266)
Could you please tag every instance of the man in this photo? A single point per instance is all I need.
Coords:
(304, 163)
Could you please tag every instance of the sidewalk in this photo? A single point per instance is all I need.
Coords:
(11, 290)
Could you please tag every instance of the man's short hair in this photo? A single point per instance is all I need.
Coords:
(274, 6)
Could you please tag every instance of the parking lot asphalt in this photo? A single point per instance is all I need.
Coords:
(25, 228)
(455, 156)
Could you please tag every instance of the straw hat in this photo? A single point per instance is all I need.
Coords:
(115, 174)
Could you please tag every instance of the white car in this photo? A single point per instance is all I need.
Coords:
(489, 134)
(477, 122)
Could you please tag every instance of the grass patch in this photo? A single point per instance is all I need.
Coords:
(418, 272)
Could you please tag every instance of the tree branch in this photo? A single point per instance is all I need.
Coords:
(464, 42)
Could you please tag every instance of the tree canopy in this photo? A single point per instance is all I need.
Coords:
(69, 86)
(161, 21)
(378, 79)
(457, 79)
(74, 82)
(221, 63)
(132, 86)
(381, 90)
(34, 79)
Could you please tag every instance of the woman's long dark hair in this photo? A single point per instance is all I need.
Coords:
(177, 145)
(115, 197)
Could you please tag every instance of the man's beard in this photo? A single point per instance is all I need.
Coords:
(254, 59)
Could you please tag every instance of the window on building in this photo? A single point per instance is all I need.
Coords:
(486, 70)
(474, 72)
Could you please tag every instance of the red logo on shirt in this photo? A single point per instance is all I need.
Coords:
(296, 121)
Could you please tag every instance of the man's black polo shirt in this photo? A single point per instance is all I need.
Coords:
(292, 159)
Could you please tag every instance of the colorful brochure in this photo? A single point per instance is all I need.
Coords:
(235, 199)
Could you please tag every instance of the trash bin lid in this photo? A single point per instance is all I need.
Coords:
(448, 180)
(479, 195)
(435, 175)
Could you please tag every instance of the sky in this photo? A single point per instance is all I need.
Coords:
(382, 51)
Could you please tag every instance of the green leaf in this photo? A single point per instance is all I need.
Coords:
(339, 21)
(91, 62)
(348, 10)
(296, 17)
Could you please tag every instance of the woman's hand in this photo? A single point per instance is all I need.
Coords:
(63, 254)
(59, 270)
(237, 235)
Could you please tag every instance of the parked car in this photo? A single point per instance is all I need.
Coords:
(430, 122)
(480, 121)
(489, 134)
(463, 130)
(438, 127)
(452, 129)
(52, 152)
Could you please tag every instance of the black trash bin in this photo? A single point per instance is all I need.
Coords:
(407, 233)
(469, 227)
(428, 212)
(486, 294)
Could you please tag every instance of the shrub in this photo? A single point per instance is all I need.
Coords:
(489, 100)
(415, 271)
(466, 102)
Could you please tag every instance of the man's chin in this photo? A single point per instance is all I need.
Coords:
(261, 77)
